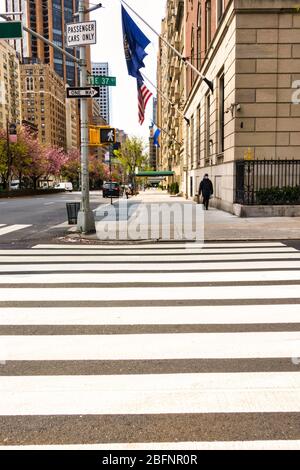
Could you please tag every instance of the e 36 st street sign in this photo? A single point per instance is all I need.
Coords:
(81, 34)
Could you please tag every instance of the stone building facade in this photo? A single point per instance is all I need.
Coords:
(250, 50)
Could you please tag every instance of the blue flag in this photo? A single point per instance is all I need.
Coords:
(156, 134)
(135, 43)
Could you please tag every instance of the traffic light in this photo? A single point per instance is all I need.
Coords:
(101, 135)
(107, 135)
(94, 138)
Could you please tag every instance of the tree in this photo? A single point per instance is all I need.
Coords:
(130, 156)
(21, 153)
(3, 158)
(71, 167)
(98, 171)
(55, 159)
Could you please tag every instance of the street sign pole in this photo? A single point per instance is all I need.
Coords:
(110, 170)
(85, 220)
(8, 156)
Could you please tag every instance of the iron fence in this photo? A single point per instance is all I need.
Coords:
(267, 182)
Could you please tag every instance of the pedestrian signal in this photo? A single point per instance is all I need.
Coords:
(107, 135)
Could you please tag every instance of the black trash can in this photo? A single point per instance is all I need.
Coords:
(72, 208)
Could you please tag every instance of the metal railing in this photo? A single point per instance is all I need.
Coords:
(257, 177)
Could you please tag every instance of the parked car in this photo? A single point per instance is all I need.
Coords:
(111, 189)
(15, 184)
(64, 185)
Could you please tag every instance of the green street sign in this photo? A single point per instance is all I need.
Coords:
(102, 81)
(11, 30)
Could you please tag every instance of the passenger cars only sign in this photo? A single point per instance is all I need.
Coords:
(81, 34)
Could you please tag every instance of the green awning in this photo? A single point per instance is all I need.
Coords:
(155, 173)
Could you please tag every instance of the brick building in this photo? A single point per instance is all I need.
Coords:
(43, 103)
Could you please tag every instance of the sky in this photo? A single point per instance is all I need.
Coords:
(109, 48)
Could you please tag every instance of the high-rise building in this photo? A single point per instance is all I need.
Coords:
(102, 69)
(43, 103)
(152, 147)
(21, 46)
(48, 18)
(72, 124)
(171, 81)
(10, 102)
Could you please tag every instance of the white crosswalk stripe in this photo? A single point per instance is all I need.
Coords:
(151, 346)
(5, 229)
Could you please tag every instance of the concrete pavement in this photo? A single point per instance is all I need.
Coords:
(218, 225)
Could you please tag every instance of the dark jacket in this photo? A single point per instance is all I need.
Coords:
(206, 188)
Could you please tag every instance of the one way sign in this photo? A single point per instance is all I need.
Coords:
(83, 92)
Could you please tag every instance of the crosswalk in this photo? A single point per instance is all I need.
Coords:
(150, 346)
(5, 229)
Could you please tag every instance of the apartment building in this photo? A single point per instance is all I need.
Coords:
(249, 50)
(72, 124)
(43, 103)
(102, 69)
(171, 83)
(10, 97)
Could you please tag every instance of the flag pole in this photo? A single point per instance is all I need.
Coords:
(184, 59)
(167, 99)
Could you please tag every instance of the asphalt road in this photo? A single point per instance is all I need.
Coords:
(205, 353)
(44, 216)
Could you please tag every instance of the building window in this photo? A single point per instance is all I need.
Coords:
(199, 32)
(192, 141)
(207, 24)
(192, 55)
(221, 113)
(198, 159)
(29, 84)
(207, 130)
(220, 9)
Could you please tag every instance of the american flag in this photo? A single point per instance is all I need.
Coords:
(143, 97)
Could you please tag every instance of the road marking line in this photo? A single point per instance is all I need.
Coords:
(150, 278)
(12, 228)
(150, 254)
(37, 266)
(166, 245)
(151, 346)
(144, 259)
(150, 293)
(183, 315)
(275, 392)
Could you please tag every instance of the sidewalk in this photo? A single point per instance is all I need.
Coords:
(218, 225)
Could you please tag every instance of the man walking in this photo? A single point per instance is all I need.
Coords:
(206, 189)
